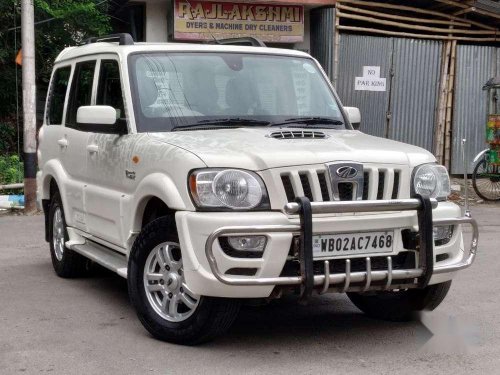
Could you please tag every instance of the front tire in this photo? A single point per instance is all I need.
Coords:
(400, 305)
(66, 262)
(164, 303)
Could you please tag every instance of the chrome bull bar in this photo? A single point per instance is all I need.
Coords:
(308, 281)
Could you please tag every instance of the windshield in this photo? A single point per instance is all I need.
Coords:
(180, 90)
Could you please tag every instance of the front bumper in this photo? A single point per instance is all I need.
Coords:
(207, 273)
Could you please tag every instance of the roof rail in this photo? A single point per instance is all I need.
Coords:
(243, 41)
(123, 39)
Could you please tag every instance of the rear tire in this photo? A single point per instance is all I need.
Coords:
(66, 262)
(400, 305)
(157, 254)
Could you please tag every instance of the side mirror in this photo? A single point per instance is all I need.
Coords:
(100, 115)
(354, 116)
(100, 119)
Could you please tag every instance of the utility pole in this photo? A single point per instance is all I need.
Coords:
(29, 104)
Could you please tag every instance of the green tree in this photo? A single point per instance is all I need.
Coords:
(11, 170)
(73, 21)
(59, 24)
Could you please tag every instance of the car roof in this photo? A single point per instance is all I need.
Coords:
(124, 50)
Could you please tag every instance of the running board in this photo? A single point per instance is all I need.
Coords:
(101, 255)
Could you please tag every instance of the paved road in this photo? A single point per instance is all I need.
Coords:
(87, 326)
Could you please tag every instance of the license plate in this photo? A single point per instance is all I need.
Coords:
(343, 244)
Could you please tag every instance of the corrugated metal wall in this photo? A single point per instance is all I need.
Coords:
(322, 24)
(475, 65)
(355, 52)
(411, 95)
(414, 91)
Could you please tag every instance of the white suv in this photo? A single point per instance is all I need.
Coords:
(208, 175)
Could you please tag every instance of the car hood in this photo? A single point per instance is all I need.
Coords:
(254, 148)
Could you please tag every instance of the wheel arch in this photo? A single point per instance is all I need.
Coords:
(152, 208)
(53, 178)
(49, 186)
(147, 209)
(53, 175)
(156, 193)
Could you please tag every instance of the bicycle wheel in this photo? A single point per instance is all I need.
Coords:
(486, 181)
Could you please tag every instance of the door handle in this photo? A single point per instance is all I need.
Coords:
(93, 149)
(63, 142)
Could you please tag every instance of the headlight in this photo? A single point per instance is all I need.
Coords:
(228, 188)
(432, 180)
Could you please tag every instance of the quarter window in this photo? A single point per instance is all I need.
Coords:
(57, 96)
(109, 90)
(81, 90)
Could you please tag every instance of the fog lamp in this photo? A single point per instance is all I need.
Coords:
(442, 234)
(248, 243)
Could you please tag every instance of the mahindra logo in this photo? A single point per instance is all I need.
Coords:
(347, 172)
(342, 173)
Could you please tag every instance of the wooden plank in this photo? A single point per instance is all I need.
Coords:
(449, 106)
(415, 27)
(419, 36)
(456, 4)
(464, 11)
(402, 18)
(466, 6)
(415, 10)
(336, 50)
(441, 110)
(12, 186)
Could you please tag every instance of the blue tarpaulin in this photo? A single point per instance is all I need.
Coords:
(7, 201)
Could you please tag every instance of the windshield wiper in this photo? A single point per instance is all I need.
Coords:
(309, 121)
(222, 123)
(234, 120)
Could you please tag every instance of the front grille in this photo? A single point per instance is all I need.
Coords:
(323, 185)
(395, 190)
(365, 185)
(306, 186)
(287, 185)
(379, 183)
(346, 191)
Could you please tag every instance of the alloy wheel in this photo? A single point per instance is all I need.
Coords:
(165, 286)
(58, 233)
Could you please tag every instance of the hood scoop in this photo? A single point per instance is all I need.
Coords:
(297, 134)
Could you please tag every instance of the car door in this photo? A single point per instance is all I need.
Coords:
(53, 129)
(73, 143)
(51, 137)
(106, 159)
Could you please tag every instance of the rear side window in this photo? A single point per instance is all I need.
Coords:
(81, 90)
(109, 89)
(57, 96)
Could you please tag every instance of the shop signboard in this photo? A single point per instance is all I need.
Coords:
(205, 20)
